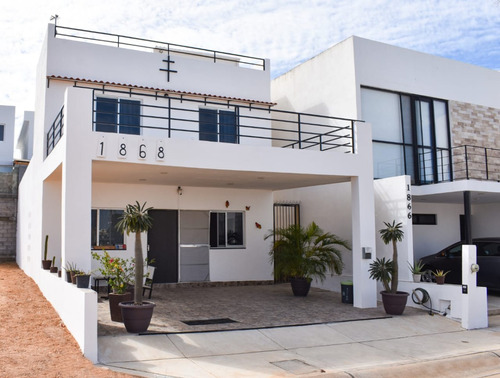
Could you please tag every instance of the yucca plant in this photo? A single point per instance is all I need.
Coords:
(136, 219)
(393, 233)
(308, 252)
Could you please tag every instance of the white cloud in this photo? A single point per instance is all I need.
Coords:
(286, 31)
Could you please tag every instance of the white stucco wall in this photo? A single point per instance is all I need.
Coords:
(242, 264)
(429, 239)
(391, 204)
(389, 67)
(329, 206)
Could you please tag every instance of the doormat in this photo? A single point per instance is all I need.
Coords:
(209, 321)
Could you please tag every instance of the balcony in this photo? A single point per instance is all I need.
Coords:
(171, 116)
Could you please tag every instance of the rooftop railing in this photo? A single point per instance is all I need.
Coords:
(158, 46)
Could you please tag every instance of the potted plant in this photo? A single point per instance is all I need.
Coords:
(69, 268)
(302, 254)
(45, 262)
(82, 280)
(416, 270)
(119, 273)
(386, 271)
(137, 314)
(440, 275)
(53, 267)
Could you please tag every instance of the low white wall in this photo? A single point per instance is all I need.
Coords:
(445, 298)
(77, 309)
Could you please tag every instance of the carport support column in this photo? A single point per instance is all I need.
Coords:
(77, 179)
(363, 236)
(474, 299)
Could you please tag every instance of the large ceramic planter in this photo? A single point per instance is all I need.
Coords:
(114, 309)
(82, 281)
(300, 286)
(137, 317)
(394, 304)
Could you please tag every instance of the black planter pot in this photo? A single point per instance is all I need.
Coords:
(137, 317)
(46, 264)
(68, 276)
(53, 269)
(82, 281)
(114, 308)
(300, 286)
(394, 304)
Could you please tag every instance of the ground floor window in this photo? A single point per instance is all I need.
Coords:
(104, 233)
(226, 229)
(1, 132)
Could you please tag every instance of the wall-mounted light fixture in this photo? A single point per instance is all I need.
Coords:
(179, 190)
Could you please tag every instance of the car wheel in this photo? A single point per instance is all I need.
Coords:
(427, 276)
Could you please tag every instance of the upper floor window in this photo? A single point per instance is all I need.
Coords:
(1, 132)
(218, 125)
(114, 115)
(410, 135)
(104, 233)
(226, 229)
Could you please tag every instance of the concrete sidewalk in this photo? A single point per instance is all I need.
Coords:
(415, 345)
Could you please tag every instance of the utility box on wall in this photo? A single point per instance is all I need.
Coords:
(347, 290)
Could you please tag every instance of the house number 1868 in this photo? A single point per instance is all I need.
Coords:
(123, 150)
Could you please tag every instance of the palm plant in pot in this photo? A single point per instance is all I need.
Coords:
(386, 271)
(302, 254)
(137, 314)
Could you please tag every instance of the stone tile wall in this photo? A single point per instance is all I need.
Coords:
(479, 126)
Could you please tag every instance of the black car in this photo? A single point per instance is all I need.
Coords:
(450, 258)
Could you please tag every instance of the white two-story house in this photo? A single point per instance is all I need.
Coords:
(193, 133)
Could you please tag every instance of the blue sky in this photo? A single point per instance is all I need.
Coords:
(286, 31)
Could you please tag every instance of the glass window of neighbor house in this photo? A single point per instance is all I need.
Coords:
(117, 115)
(410, 135)
(1, 132)
(104, 233)
(218, 125)
(226, 229)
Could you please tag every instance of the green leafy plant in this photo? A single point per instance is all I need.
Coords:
(136, 219)
(119, 271)
(393, 233)
(308, 252)
(381, 270)
(70, 267)
(417, 267)
(53, 261)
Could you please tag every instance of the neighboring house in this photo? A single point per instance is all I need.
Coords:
(195, 135)
(7, 121)
(24, 144)
(8, 184)
(436, 138)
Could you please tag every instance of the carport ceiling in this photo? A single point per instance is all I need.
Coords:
(458, 197)
(132, 173)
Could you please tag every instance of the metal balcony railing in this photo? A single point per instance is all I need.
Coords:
(179, 117)
(158, 46)
(474, 162)
(56, 131)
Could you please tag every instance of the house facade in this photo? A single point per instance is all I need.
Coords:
(435, 138)
(193, 133)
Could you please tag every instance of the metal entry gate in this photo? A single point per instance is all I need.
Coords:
(284, 216)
